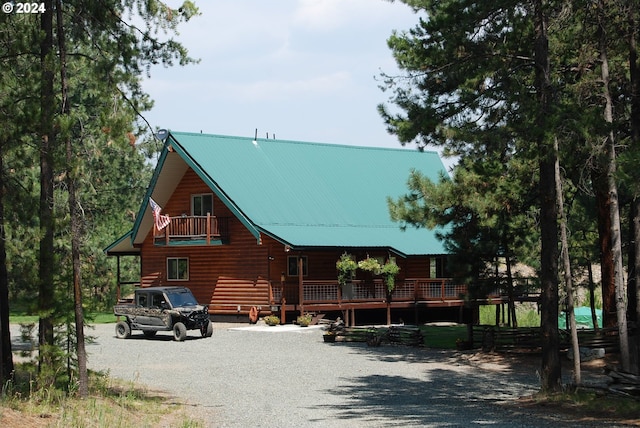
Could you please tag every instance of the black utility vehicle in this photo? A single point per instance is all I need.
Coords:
(157, 309)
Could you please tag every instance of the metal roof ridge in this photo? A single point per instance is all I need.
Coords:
(359, 226)
(299, 142)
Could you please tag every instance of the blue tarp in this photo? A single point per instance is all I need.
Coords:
(583, 318)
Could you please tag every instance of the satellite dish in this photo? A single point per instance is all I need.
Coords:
(162, 134)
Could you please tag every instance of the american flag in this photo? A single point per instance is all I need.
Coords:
(161, 220)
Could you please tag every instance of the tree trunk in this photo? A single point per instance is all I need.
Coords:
(614, 211)
(46, 258)
(592, 297)
(633, 293)
(606, 258)
(512, 304)
(551, 368)
(634, 263)
(632, 280)
(568, 282)
(6, 356)
(83, 382)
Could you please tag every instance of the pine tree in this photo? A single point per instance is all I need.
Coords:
(479, 73)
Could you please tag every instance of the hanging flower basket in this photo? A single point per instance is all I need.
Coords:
(346, 267)
(389, 271)
(370, 265)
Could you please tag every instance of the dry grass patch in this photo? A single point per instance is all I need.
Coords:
(110, 404)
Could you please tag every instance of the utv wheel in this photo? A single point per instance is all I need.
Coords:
(123, 331)
(179, 331)
(207, 330)
(149, 333)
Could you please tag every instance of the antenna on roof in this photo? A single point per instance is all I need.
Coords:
(267, 135)
(255, 138)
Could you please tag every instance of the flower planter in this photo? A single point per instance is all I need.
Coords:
(271, 320)
(329, 338)
(304, 320)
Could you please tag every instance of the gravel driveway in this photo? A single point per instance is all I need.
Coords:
(285, 376)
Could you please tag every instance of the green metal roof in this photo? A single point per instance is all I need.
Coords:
(309, 194)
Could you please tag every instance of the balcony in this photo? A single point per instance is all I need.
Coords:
(193, 230)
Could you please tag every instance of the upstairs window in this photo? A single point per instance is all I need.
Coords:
(202, 204)
(438, 267)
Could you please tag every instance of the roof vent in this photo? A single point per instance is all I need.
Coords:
(162, 134)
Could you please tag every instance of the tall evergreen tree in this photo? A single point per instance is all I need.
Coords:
(88, 90)
(477, 72)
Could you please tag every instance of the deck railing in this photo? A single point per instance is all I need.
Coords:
(193, 228)
(327, 292)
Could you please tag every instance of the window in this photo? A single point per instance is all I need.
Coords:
(432, 268)
(437, 267)
(177, 269)
(202, 204)
(292, 265)
(157, 301)
(142, 300)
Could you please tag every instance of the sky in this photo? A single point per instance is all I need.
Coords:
(304, 70)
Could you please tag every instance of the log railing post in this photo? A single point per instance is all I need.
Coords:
(209, 231)
(301, 284)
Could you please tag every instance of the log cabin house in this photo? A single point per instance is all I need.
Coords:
(260, 223)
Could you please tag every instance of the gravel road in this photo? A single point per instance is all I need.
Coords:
(285, 376)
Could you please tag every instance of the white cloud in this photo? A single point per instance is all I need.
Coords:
(329, 15)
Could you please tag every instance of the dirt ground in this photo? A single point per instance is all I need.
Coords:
(10, 418)
(593, 379)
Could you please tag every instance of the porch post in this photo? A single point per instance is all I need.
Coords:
(388, 312)
(209, 230)
(118, 286)
(300, 285)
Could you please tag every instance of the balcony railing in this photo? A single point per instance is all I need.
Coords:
(200, 229)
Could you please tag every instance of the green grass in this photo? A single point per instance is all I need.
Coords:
(443, 337)
(526, 315)
(90, 318)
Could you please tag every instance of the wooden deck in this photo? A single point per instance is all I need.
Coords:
(440, 291)
(324, 296)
